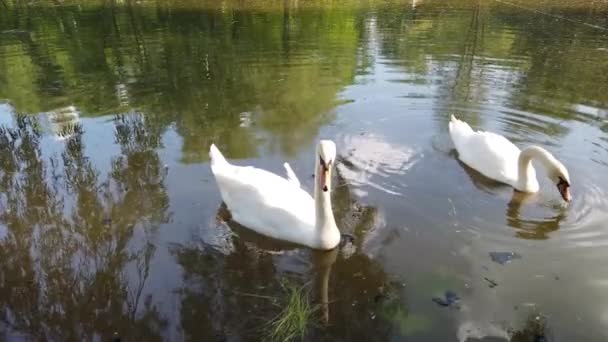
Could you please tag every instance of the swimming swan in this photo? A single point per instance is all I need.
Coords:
(278, 207)
(496, 157)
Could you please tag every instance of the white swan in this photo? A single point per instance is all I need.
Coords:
(496, 157)
(277, 207)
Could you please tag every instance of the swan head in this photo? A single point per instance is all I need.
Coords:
(559, 175)
(326, 150)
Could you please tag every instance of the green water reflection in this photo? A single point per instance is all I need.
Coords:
(110, 223)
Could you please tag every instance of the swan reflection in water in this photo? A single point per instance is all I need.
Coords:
(526, 228)
(530, 228)
(236, 293)
(323, 261)
(487, 312)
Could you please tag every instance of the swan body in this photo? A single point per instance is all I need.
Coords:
(278, 207)
(495, 157)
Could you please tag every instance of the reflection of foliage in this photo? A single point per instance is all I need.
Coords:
(568, 69)
(62, 273)
(489, 49)
(282, 63)
(203, 62)
(215, 296)
(133, 134)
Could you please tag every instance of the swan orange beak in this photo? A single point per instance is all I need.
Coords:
(564, 190)
(324, 178)
(324, 175)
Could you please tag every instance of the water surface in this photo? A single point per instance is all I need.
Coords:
(111, 223)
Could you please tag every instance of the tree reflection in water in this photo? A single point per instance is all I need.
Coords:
(67, 235)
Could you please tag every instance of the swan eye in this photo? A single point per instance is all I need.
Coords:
(323, 163)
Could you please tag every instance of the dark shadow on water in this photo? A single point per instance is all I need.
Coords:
(480, 181)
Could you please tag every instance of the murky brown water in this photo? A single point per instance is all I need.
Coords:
(111, 223)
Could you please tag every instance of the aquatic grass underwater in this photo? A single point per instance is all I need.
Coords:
(296, 317)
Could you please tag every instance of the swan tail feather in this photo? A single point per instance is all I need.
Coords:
(460, 126)
(216, 156)
(291, 176)
(459, 129)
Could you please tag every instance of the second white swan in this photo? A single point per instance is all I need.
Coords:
(278, 207)
(497, 158)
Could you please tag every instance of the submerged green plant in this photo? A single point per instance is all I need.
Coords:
(295, 318)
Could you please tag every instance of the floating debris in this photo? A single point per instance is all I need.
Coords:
(491, 283)
(20, 32)
(451, 298)
(504, 257)
(61, 123)
(245, 119)
(346, 238)
(379, 297)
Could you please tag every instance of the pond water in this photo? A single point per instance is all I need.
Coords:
(111, 224)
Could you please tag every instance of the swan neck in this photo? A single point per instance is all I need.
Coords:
(324, 215)
(540, 154)
(524, 168)
(527, 175)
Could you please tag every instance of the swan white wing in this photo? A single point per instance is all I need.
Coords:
(490, 154)
(267, 203)
(291, 176)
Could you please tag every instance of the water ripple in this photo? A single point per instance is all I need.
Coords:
(370, 161)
